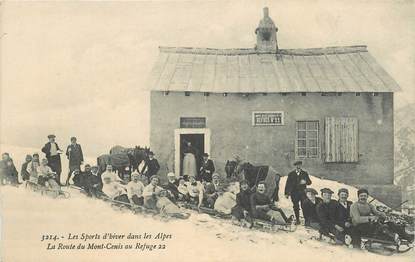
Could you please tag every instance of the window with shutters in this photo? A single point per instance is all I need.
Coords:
(341, 139)
(307, 143)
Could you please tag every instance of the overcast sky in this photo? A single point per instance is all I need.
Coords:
(79, 68)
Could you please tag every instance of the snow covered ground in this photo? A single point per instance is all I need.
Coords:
(26, 216)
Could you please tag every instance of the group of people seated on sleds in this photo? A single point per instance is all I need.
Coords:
(35, 170)
(347, 222)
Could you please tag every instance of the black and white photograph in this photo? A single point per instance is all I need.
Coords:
(207, 131)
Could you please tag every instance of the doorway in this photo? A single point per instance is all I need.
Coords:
(200, 141)
(197, 142)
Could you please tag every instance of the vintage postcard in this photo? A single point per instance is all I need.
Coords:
(207, 131)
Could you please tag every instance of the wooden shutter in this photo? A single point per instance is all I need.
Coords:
(341, 141)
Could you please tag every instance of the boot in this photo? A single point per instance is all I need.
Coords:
(297, 216)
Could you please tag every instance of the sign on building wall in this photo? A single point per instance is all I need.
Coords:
(267, 118)
(192, 122)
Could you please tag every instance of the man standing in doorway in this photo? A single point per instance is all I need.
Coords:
(295, 186)
(75, 157)
(207, 169)
(52, 152)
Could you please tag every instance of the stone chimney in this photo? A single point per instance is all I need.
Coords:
(266, 34)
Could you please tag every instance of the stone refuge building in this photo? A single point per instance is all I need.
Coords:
(330, 107)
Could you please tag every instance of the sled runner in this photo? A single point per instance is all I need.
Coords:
(257, 223)
(273, 227)
(370, 244)
(43, 190)
(385, 247)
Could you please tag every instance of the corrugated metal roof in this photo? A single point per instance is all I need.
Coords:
(330, 69)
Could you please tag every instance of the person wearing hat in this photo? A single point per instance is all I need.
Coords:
(324, 212)
(24, 173)
(309, 208)
(135, 190)
(52, 152)
(93, 183)
(341, 215)
(75, 157)
(151, 192)
(212, 190)
(152, 164)
(297, 182)
(8, 170)
(207, 169)
(242, 210)
(365, 219)
(82, 176)
(172, 185)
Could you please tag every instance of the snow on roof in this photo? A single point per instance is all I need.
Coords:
(329, 69)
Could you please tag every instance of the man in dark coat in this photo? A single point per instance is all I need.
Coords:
(207, 169)
(297, 182)
(262, 206)
(52, 152)
(172, 185)
(325, 211)
(93, 182)
(341, 215)
(152, 165)
(242, 209)
(24, 173)
(8, 170)
(75, 157)
(309, 209)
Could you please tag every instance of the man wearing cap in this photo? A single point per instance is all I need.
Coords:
(153, 166)
(75, 157)
(365, 217)
(324, 212)
(207, 169)
(135, 190)
(309, 208)
(341, 214)
(172, 185)
(52, 152)
(297, 182)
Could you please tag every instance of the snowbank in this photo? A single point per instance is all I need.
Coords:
(29, 215)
